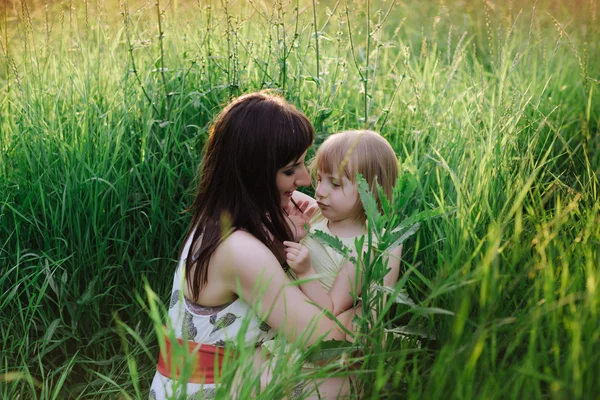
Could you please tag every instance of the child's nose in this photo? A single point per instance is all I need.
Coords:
(320, 192)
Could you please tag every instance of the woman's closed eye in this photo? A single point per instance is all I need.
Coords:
(290, 172)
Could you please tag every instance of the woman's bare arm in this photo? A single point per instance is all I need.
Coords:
(254, 273)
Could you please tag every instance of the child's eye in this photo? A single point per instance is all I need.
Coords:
(335, 184)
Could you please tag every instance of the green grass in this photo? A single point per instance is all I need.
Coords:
(491, 106)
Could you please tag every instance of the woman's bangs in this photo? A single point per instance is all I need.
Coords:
(298, 140)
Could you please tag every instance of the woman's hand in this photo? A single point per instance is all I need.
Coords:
(299, 217)
(298, 258)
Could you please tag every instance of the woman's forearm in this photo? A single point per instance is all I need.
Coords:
(312, 288)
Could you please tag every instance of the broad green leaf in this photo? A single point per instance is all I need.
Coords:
(431, 310)
(368, 201)
(386, 207)
(50, 331)
(398, 295)
(399, 237)
(331, 241)
(359, 245)
(450, 287)
(419, 217)
(323, 114)
(408, 330)
(88, 296)
(329, 349)
(404, 189)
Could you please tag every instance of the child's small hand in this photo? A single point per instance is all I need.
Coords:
(298, 258)
(299, 217)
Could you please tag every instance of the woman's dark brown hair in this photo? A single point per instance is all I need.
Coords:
(250, 140)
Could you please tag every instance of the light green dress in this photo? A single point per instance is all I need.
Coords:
(325, 261)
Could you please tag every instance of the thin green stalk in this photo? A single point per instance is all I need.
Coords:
(5, 50)
(317, 33)
(161, 37)
(367, 55)
(352, 50)
(126, 22)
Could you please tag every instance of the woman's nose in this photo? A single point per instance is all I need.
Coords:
(302, 177)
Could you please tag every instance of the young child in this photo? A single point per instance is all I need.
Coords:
(342, 215)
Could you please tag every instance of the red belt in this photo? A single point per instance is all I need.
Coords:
(205, 360)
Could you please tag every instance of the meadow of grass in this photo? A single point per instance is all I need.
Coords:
(492, 107)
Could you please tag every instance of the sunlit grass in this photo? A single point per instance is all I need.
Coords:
(491, 106)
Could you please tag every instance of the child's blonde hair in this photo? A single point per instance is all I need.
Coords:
(362, 151)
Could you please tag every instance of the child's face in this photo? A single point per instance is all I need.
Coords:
(337, 199)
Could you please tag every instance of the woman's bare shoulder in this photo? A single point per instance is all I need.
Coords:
(240, 249)
(240, 240)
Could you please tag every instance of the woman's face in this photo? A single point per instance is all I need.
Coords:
(290, 177)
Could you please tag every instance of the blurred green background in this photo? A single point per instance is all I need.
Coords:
(491, 105)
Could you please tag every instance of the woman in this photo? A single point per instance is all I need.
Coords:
(231, 274)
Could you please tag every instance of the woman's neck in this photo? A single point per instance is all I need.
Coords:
(346, 228)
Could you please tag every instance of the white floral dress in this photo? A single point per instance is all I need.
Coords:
(207, 325)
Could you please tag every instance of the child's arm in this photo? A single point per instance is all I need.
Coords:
(298, 258)
(339, 299)
(391, 277)
(348, 281)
